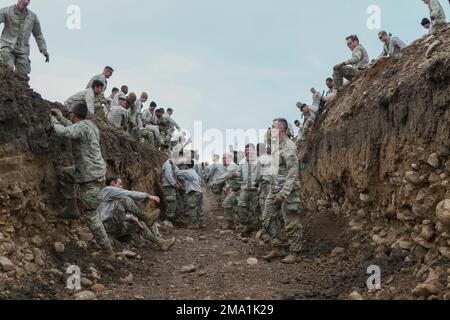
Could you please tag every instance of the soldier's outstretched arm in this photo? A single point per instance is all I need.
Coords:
(224, 177)
(118, 194)
(70, 131)
(173, 122)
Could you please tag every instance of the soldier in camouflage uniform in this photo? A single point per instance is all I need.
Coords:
(437, 14)
(122, 216)
(118, 115)
(193, 198)
(88, 171)
(308, 125)
(283, 201)
(20, 23)
(171, 187)
(92, 97)
(214, 171)
(351, 68)
(103, 77)
(249, 171)
(230, 177)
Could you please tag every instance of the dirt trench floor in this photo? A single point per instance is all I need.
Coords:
(219, 268)
(222, 270)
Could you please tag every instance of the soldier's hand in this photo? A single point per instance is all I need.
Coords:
(156, 199)
(57, 114)
(340, 65)
(47, 56)
(279, 199)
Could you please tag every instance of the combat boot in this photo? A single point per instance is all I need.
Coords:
(247, 231)
(165, 245)
(273, 255)
(109, 254)
(228, 226)
(70, 212)
(151, 218)
(259, 235)
(290, 259)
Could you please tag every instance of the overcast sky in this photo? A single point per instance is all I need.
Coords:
(233, 64)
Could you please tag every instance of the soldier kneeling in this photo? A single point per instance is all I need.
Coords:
(122, 217)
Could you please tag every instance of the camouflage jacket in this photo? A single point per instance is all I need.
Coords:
(86, 150)
(437, 13)
(86, 96)
(360, 58)
(229, 177)
(100, 77)
(18, 29)
(305, 131)
(118, 116)
(249, 172)
(394, 46)
(285, 169)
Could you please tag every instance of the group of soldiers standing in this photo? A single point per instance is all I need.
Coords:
(259, 191)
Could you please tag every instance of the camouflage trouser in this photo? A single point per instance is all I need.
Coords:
(288, 214)
(127, 219)
(263, 193)
(194, 203)
(230, 205)
(149, 135)
(89, 193)
(17, 61)
(347, 72)
(217, 194)
(173, 205)
(248, 208)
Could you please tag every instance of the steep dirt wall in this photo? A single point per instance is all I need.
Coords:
(380, 156)
(29, 159)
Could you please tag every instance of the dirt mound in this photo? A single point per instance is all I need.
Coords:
(29, 159)
(380, 157)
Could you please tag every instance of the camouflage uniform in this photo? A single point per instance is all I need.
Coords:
(89, 172)
(170, 191)
(264, 180)
(100, 77)
(122, 216)
(118, 116)
(94, 103)
(285, 182)
(214, 171)
(193, 198)
(15, 41)
(171, 125)
(248, 203)
(149, 117)
(393, 47)
(437, 14)
(151, 135)
(230, 204)
(305, 131)
(353, 67)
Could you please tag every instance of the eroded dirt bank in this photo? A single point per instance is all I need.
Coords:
(381, 160)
